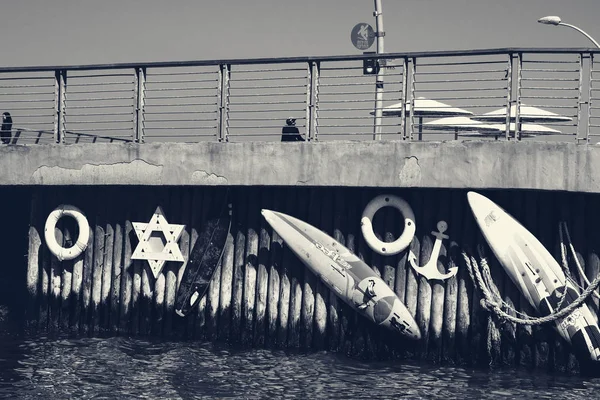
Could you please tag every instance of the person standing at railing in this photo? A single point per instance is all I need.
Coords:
(290, 132)
(6, 129)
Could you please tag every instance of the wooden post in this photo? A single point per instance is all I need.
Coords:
(67, 275)
(88, 270)
(425, 225)
(240, 207)
(412, 285)
(34, 258)
(107, 270)
(262, 276)
(219, 196)
(457, 202)
(226, 295)
(310, 209)
(119, 218)
(318, 324)
(296, 271)
(285, 277)
(250, 266)
(127, 273)
(274, 287)
(465, 290)
(199, 216)
(438, 287)
(175, 326)
(338, 320)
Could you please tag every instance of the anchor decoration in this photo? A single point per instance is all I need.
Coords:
(430, 270)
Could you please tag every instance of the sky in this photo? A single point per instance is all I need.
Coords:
(72, 32)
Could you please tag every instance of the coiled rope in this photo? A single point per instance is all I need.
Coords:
(492, 300)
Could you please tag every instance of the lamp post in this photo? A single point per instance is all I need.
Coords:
(554, 20)
(379, 33)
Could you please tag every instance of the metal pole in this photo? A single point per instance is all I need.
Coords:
(379, 34)
(580, 31)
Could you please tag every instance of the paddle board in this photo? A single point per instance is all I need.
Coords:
(344, 273)
(203, 262)
(536, 273)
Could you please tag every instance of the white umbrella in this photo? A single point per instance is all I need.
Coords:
(527, 130)
(526, 114)
(460, 123)
(424, 108)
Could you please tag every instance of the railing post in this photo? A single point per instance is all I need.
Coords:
(590, 93)
(518, 102)
(411, 99)
(138, 118)
(509, 91)
(579, 98)
(404, 97)
(315, 97)
(312, 87)
(60, 92)
(223, 102)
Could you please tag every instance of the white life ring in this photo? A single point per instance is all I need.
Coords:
(60, 252)
(366, 224)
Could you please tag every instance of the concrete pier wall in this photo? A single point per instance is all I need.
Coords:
(454, 164)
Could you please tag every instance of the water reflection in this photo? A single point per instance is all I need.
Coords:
(131, 368)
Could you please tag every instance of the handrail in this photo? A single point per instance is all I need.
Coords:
(300, 59)
(331, 97)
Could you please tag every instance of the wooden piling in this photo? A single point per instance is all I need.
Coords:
(34, 258)
(438, 287)
(118, 217)
(240, 207)
(274, 284)
(250, 266)
(318, 324)
(297, 272)
(455, 223)
(262, 273)
(285, 276)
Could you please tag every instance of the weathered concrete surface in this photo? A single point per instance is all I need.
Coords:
(453, 164)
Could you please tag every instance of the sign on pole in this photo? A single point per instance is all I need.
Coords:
(362, 36)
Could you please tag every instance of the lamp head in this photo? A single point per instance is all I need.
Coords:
(550, 20)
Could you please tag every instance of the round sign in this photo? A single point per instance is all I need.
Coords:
(362, 36)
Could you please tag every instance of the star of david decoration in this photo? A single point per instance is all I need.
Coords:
(151, 248)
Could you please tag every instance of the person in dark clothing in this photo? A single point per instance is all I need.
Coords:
(6, 130)
(290, 132)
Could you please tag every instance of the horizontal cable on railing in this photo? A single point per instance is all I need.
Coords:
(456, 80)
(245, 103)
(99, 75)
(246, 71)
(102, 98)
(503, 71)
(147, 113)
(150, 121)
(27, 101)
(424, 64)
(27, 78)
(191, 96)
(180, 127)
(71, 92)
(76, 85)
(182, 89)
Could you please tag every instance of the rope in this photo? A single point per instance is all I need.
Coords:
(493, 302)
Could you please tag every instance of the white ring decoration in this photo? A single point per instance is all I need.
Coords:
(60, 252)
(366, 224)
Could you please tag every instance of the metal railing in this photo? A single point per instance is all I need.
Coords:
(552, 94)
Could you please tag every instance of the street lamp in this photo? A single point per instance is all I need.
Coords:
(554, 20)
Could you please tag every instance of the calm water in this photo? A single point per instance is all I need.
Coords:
(131, 368)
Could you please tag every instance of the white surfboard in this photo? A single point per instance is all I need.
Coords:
(344, 273)
(536, 273)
